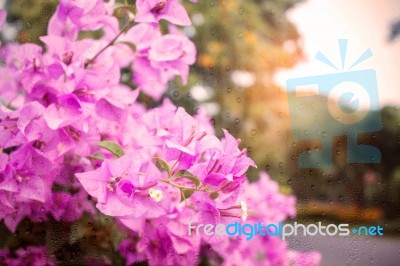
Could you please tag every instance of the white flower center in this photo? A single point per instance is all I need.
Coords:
(155, 194)
(243, 206)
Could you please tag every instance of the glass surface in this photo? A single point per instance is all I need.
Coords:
(176, 132)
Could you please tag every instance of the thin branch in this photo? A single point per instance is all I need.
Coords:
(180, 156)
(126, 27)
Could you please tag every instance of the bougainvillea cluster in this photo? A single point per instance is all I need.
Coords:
(71, 130)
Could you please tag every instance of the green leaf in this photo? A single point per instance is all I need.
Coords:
(186, 193)
(188, 175)
(183, 173)
(124, 11)
(130, 45)
(112, 147)
(214, 195)
(97, 156)
(3, 102)
(163, 165)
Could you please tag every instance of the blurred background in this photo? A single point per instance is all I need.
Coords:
(247, 50)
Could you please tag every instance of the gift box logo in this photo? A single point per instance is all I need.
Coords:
(348, 104)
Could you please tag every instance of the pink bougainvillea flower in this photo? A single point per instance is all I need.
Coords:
(28, 174)
(155, 10)
(68, 56)
(148, 79)
(142, 35)
(64, 112)
(10, 135)
(8, 85)
(174, 60)
(121, 190)
(127, 249)
(33, 255)
(160, 58)
(167, 242)
(30, 122)
(69, 208)
(73, 16)
(21, 57)
(186, 140)
(265, 194)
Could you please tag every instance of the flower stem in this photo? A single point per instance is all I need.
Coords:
(125, 28)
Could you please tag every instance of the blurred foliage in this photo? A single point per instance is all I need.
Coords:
(31, 17)
(87, 242)
(394, 31)
(366, 185)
